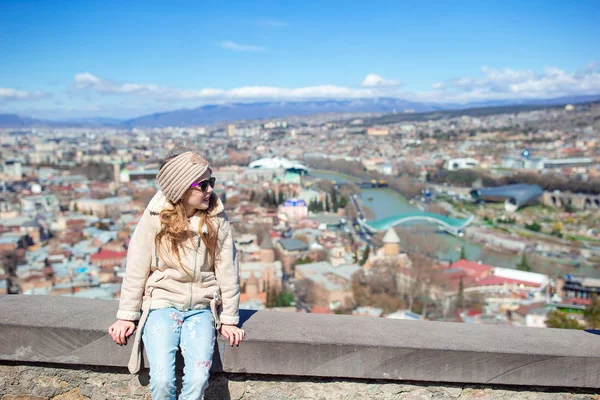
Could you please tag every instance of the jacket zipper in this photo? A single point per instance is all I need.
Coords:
(194, 273)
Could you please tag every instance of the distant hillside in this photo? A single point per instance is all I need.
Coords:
(250, 111)
(210, 114)
(15, 121)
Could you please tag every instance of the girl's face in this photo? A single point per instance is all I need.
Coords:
(195, 196)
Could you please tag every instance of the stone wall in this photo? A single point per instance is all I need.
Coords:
(47, 382)
(58, 348)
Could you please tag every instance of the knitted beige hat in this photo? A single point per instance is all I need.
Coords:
(178, 173)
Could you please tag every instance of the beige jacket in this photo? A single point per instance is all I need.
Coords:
(159, 278)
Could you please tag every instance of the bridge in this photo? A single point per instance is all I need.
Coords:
(451, 225)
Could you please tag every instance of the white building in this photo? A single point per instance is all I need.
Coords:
(13, 168)
(295, 209)
(38, 204)
(454, 164)
(276, 163)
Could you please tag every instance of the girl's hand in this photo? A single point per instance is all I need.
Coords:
(233, 333)
(121, 330)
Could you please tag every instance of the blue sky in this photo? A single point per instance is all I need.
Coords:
(63, 59)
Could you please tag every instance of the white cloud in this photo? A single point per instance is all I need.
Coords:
(374, 80)
(91, 83)
(514, 84)
(85, 79)
(7, 94)
(228, 44)
(493, 84)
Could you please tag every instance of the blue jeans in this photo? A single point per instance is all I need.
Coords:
(165, 331)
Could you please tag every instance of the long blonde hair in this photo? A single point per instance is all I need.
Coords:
(174, 231)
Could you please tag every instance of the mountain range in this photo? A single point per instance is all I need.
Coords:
(210, 114)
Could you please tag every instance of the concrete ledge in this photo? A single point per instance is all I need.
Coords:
(63, 330)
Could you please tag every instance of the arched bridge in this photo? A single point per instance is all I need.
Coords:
(451, 225)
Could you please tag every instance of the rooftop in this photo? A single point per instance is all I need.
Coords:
(293, 245)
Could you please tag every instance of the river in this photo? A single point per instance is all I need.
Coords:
(386, 202)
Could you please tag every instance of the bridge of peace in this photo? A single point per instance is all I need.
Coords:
(58, 348)
(449, 224)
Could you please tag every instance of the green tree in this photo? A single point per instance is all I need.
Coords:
(327, 207)
(534, 226)
(523, 265)
(305, 260)
(270, 299)
(460, 297)
(557, 319)
(365, 256)
(75, 208)
(280, 198)
(334, 200)
(284, 299)
(591, 314)
(463, 253)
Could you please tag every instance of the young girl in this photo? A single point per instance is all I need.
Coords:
(182, 274)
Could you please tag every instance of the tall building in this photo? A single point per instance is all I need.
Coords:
(267, 250)
(391, 243)
(231, 130)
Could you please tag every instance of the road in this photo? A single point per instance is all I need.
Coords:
(358, 228)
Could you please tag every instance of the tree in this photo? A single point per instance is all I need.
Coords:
(280, 198)
(523, 265)
(422, 240)
(421, 279)
(306, 291)
(534, 226)
(270, 299)
(591, 314)
(365, 255)
(305, 260)
(284, 299)
(460, 298)
(463, 254)
(377, 288)
(557, 319)
(273, 200)
(334, 200)
(327, 207)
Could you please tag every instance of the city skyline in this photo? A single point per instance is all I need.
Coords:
(80, 60)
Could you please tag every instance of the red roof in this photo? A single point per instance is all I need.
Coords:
(473, 268)
(497, 280)
(108, 255)
(320, 310)
(577, 301)
(525, 309)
